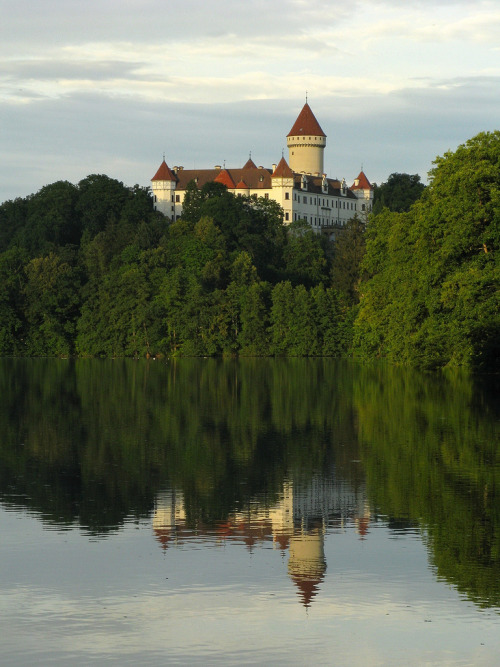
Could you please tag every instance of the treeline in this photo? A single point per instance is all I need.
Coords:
(93, 270)
(430, 291)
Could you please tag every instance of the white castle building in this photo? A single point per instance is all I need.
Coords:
(300, 185)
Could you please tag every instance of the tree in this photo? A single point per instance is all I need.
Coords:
(249, 224)
(52, 306)
(51, 219)
(12, 220)
(100, 200)
(348, 251)
(431, 297)
(398, 193)
(304, 255)
(12, 281)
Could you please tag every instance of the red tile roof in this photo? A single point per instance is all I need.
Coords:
(164, 173)
(224, 177)
(282, 170)
(253, 177)
(362, 182)
(306, 123)
(242, 185)
(250, 164)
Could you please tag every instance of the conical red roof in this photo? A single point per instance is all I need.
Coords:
(362, 182)
(250, 164)
(282, 170)
(163, 173)
(306, 123)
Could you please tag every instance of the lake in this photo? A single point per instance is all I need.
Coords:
(254, 511)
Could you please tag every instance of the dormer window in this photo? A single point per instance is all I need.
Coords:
(303, 183)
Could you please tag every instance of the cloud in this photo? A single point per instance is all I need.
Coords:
(108, 87)
(125, 137)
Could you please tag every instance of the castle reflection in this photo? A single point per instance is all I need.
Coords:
(296, 523)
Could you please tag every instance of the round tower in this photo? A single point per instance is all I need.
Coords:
(163, 186)
(306, 143)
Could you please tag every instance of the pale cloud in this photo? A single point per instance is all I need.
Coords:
(118, 82)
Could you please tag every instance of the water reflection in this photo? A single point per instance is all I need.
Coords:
(297, 523)
(259, 452)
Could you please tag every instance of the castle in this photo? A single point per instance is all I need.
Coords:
(300, 185)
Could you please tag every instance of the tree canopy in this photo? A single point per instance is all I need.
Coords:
(398, 193)
(431, 297)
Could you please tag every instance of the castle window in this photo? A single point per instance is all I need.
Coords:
(304, 199)
(177, 198)
(362, 207)
(266, 195)
(172, 198)
(286, 217)
(287, 195)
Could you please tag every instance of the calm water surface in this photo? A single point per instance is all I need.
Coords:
(247, 512)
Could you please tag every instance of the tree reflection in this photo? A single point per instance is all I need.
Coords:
(96, 443)
(430, 451)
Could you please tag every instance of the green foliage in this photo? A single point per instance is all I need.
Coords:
(305, 255)
(398, 194)
(12, 282)
(431, 296)
(51, 219)
(348, 252)
(429, 447)
(51, 294)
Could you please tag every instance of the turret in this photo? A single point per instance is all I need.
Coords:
(282, 185)
(163, 186)
(363, 190)
(306, 143)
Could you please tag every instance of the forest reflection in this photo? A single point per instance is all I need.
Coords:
(256, 450)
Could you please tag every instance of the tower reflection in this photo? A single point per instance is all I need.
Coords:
(296, 524)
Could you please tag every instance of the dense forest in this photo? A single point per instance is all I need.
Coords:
(92, 270)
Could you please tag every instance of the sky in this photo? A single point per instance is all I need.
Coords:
(110, 86)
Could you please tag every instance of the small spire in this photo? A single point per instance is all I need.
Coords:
(282, 152)
(163, 156)
(306, 96)
(250, 155)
